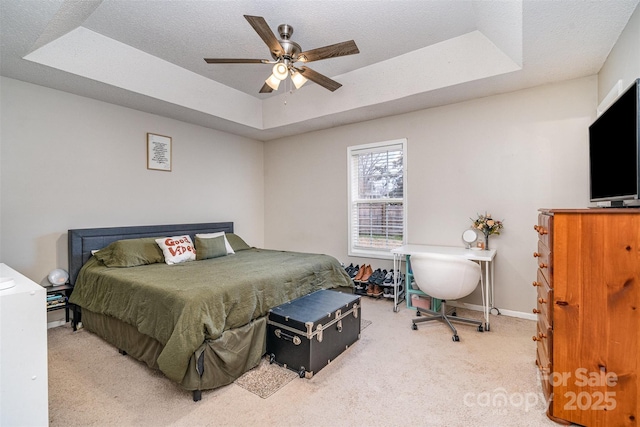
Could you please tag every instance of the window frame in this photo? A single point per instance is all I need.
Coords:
(352, 151)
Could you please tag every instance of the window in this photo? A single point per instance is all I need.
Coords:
(377, 198)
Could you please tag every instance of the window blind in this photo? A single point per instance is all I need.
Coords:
(377, 197)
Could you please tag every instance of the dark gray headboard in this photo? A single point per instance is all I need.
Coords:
(83, 241)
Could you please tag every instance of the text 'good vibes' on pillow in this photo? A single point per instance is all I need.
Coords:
(177, 249)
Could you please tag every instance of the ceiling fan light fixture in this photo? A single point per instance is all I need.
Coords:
(285, 53)
(280, 71)
(298, 79)
(273, 82)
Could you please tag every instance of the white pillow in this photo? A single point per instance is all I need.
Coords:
(212, 235)
(177, 249)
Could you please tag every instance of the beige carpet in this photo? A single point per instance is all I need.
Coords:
(265, 379)
(393, 376)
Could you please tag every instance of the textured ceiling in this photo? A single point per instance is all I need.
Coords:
(415, 54)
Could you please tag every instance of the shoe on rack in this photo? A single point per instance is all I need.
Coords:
(370, 290)
(360, 273)
(349, 269)
(381, 277)
(374, 277)
(354, 271)
(387, 292)
(368, 271)
(377, 291)
(388, 279)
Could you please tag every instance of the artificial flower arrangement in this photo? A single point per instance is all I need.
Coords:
(487, 225)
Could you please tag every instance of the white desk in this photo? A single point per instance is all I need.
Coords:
(483, 257)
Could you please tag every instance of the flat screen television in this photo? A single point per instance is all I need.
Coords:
(614, 157)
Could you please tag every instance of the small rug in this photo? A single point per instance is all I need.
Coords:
(267, 378)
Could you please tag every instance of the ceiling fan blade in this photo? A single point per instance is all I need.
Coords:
(262, 28)
(318, 78)
(236, 61)
(331, 51)
(266, 89)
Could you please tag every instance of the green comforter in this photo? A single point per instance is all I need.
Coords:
(183, 305)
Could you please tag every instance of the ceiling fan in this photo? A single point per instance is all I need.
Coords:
(286, 53)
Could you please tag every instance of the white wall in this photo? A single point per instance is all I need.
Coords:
(73, 162)
(508, 154)
(623, 62)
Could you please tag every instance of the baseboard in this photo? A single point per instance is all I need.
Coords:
(503, 312)
(56, 323)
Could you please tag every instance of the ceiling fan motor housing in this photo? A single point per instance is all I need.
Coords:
(291, 49)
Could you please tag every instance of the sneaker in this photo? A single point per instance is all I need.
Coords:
(374, 277)
(354, 271)
(381, 277)
(387, 292)
(388, 279)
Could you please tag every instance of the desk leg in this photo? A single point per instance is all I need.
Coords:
(395, 283)
(492, 302)
(488, 286)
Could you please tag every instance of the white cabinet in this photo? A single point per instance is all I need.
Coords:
(23, 352)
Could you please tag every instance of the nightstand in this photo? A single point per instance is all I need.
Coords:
(58, 299)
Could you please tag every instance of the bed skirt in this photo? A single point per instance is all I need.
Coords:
(214, 364)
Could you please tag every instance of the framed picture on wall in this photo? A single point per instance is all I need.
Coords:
(158, 152)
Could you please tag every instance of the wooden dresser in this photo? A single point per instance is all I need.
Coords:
(588, 308)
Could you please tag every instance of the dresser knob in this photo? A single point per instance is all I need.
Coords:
(535, 338)
(542, 300)
(542, 335)
(536, 311)
(537, 284)
(536, 254)
(543, 265)
(542, 231)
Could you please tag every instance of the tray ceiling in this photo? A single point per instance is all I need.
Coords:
(148, 55)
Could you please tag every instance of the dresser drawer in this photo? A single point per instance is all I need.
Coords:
(544, 259)
(544, 338)
(544, 298)
(545, 367)
(544, 226)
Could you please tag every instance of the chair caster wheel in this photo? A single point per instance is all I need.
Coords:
(480, 328)
(414, 327)
(418, 313)
(272, 358)
(455, 338)
(454, 313)
(301, 372)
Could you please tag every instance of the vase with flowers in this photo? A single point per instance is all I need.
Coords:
(487, 226)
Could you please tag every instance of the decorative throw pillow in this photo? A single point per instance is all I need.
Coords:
(236, 242)
(177, 249)
(210, 247)
(130, 253)
(214, 235)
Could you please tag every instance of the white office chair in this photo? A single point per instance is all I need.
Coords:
(445, 277)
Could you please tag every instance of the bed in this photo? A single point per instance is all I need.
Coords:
(202, 322)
